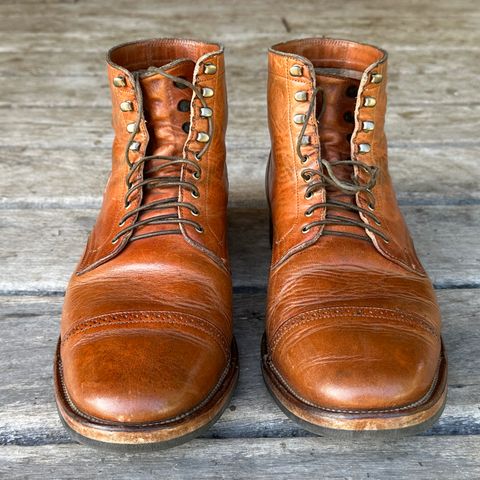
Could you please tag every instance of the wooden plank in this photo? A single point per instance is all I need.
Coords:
(88, 26)
(361, 8)
(276, 459)
(420, 458)
(30, 328)
(51, 241)
(75, 177)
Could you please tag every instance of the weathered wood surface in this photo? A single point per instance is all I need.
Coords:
(239, 21)
(50, 242)
(30, 325)
(54, 152)
(444, 458)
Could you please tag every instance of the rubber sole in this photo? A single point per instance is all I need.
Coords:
(368, 424)
(138, 437)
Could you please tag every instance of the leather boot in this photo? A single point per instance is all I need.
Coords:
(146, 353)
(353, 327)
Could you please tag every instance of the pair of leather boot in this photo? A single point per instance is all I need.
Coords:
(146, 354)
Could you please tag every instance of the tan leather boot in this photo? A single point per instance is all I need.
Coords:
(146, 353)
(353, 327)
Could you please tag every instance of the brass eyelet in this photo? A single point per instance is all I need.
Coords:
(306, 140)
(126, 106)
(195, 194)
(199, 229)
(115, 241)
(203, 137)
(206, 112)
(296, 71)
(308, 213)
(210, 68)
(207, 92)
(301, 96)
(196, 175)
(386, 240)
(304, 159)
(306, 177)
(121, 224)
(120, 81)
(134, 146)
(308, 195)
(195, 212)
(305, 229)
(371, 207)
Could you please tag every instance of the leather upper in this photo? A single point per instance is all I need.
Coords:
(147, 326)
(352, 319)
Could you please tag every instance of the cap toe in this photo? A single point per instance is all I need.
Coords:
(143, 373)
(358, 364)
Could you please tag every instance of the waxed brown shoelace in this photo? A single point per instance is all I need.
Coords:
(161, 182)
(327, 177)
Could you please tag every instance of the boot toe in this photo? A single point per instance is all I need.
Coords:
(141, 374)
(358, 365)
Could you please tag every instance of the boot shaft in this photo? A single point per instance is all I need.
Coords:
(326, 108)
(169, 114)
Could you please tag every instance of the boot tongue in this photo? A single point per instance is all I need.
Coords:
(164, 104)
(336, 121)
(166, 107)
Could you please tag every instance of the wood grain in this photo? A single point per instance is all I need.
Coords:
(100, 27)
(274, 459)
(51, 241)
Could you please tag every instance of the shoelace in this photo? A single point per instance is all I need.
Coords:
(161, 182)
(327, 177)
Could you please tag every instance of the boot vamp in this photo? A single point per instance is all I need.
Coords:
(353, 330)
(146, 337)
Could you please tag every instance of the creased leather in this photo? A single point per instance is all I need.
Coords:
(147, 324)
(352, 324)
